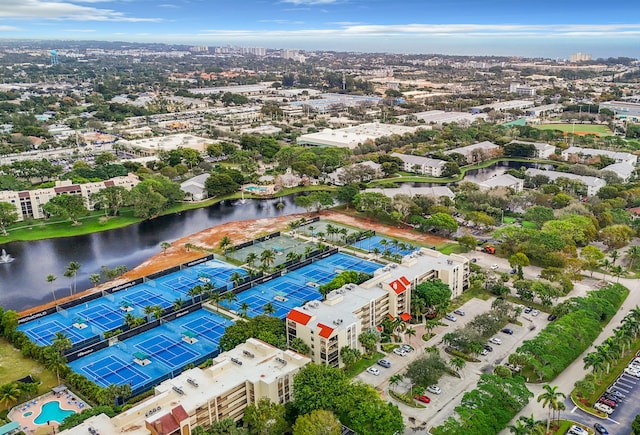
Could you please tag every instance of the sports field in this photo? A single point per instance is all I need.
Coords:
(598, 130)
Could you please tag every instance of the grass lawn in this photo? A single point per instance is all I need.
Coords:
(452, 248)
(600, 130)
(529, 224)
(14, 366)
(465, 297)
(509, 220)
(362, 365)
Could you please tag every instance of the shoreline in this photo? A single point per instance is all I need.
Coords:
(206, 241)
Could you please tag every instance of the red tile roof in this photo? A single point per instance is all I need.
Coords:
(404, 280)
(180, 414)
(405, 316)
(325, 331)
(397, 286)
(298, 317)
(165, 425)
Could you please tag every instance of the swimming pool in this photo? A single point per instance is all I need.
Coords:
(255, 189)
(51, 411)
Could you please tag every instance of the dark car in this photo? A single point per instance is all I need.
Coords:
(488, 348)
(528, 310)
(615, 392)
(612, 397)
(552, 317)
(600, 429)
(508, 331)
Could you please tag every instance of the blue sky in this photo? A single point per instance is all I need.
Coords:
(526, 28)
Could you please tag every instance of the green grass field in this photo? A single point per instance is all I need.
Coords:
(600, 130)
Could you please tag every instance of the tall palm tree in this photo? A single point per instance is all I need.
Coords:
(50, 279)
(519, 428)
(94, 278)
(230, 297)
(72, 272)
(614, 254)
(178, 303)
(550, 399)
(410, 332)
(395, 380)
(236, 278)
(267, 258)
(225, 244)
(156, 311)
(60, 343)
(244, 307)
(457, 363)
(194, 291)
(633, 254)
(251, 259)
(216, 297)
(596, 361)
(9, 393)
(164, 246)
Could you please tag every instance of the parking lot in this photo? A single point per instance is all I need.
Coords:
(442, 405)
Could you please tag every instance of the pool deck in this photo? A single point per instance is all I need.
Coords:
(68, 401)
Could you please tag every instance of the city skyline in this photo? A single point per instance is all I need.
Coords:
(457, 27)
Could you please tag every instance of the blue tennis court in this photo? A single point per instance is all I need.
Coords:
(43, 332)
(142, 298)
(391, 245)
(208, 327)
(180, 282)
(171, 351)
(113, 370)
(103, 316)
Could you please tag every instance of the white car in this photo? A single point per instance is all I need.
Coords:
(434, 389)
(633, 372)
(577, 430)
(494, 266)
(399, 351)
(534, 313)
(604, 408)
(495, 340)
(374, 371)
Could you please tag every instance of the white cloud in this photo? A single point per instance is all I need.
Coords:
(79, 30)
(8, 28)
(281, 22)
(62, 10)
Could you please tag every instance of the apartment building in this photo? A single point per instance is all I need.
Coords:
(29, 203)
(478, 152)
(421, 165)
(199, 397)
(542, 150)
(327, 326)
(593, 184)
(578, 154)
(507, 181)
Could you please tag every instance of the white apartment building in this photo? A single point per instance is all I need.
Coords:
(593, 184)
(421, 165)
(327, 326)
(623, 170)
(28, 203)
(478, 152)
(503, 181)
(579, 153)
(543, 150)
(199, 397)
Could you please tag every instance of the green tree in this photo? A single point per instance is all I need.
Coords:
(265, 418)
(72, 273)
(164, 246)
(592, 256)
(426, 370)
(538, 214)
(616, 236)
(50, 279)
(468, 241)
(67, 206)
(319, 422)
(225, 243)
(9, 393)
(550, 399)
(221, 184)
(369, 340)
(111, 198)
(266, 328)
(519, 260)
(8, 216)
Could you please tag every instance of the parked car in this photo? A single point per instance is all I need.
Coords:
(552, 317)
(612, 397)
(434, 389)
(604, 408)
(374, 371)
(600, 429)
(451, 317)
(607, 402)
(534, 313)
(488, 348)
(615, 392)
(384, 363)
(508, 331)
(423, 398)
(407, 348)
(577, 430)
(494, 266)
(495, 340)
(459, 312)
(527, 310)
(632, 372)
(399, 351)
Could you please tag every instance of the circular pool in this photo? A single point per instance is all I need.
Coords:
(27, 414)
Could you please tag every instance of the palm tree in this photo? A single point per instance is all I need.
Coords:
(216, 297)
(244, 307)
(519, 428)
(605, 265)
(230, 297)
(410, 332)
(457, 363)
(72, 272)
(594, 360)
(129, 320)
(178, 303)
(550, 399)
(194, 291)
(225, 244)
(60, 343)
(617, 271)
(164, 246)
(376, 252)
(236, 278)
(268, 309)
(148, 311)
(614, 254)
(633, 253)
(267, 257)
(331, 231)
(252, 257)
(9, 393)
(94, 278)
(156, 311)
(395, 380)
(50, 279)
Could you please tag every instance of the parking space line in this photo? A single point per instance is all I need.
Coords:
(613, 421)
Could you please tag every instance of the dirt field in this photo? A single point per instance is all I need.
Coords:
(243, 231)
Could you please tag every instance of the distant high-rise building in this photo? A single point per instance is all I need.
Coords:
(520, 89)
(580, 57)
(54, 57)
(256, 51)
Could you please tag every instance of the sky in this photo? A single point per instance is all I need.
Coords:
(541, 28)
